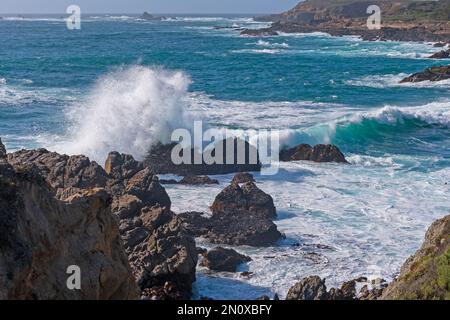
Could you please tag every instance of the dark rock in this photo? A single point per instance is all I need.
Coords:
(159, 160)
(425, 275)
(222, 259)
(196, 223)
(264, 298)
(198, 180)
(310, 288)
(366, 294)
(242, 177)
(246, 274)
(168, 181)
(443, 54)
(439, 44)
(248, 197)
(430, 74)
(318, 153)
(348, 290)
(2, 150)
(149, 17)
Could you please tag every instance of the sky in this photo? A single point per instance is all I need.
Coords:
(152, 6)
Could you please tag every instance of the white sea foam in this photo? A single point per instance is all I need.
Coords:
(263, 43)
(127, 111)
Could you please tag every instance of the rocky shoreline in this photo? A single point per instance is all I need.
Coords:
(117, 225)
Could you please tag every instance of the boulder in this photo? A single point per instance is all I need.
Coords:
(437, 73)
(149, 17)
(426, 274)
(159, 159)
(40, 237)
(443, 54)
(318, 153)
(247, 197)
(198, 180)
(242, 177)
(222, 259)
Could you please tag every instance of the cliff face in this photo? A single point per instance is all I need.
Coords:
(426, 275)
(41, 236)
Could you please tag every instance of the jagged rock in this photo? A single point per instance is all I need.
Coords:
(310, 288)
(366, 294)
(443, 54)
(437, 73)
(2, 150)
(40, 237)
(222, 259)
(248, 197)
(159, 159)
(318, 153)
(439, 44)
(60, 171)
(426, 274)
(240, 216)
(242, 177)
(160, 251)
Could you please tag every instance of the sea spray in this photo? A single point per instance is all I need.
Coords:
(128, 110)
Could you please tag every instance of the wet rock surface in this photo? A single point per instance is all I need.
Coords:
(242, 177)
(437, 73)
(443, 54)
(318, 153)
(222, 259)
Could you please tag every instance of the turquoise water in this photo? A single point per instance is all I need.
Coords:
(121, 83)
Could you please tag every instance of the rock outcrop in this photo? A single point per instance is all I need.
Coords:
(160, 252)
(159, 159)
(443, 54)
(41, 237)
(437, 73)
(222, 259)
(314, 288)
(318, 153)
(426, 275)
(149, 17)
(240, 216)
(192, 180)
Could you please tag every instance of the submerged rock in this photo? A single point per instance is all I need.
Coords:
(426, 274)
(222, 259)
(437, 73)
(318, 153)
(40, 237)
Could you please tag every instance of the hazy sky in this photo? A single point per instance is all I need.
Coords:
(153, 6)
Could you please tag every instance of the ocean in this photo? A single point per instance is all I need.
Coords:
(121, 84)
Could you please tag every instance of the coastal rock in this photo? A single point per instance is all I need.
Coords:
(198, 180)
(242, 177)
(310, 288)
(40, 237)
(160, 251)
(223, 260)
(159, 159)
(430, 74)
(60, 171)
(318, 153)
(443, 54)
(149, 17)
(426, 274)
(247, 197)
(2, 150)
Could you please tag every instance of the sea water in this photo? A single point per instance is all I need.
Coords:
(121, 84)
